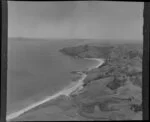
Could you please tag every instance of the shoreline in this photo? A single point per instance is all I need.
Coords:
(65, 91)
(101, 61)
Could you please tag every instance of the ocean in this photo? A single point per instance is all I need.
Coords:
(37, 69)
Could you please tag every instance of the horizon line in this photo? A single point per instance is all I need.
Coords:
(78, 38)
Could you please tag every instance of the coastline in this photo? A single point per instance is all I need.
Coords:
(74, 88)
(101, 61)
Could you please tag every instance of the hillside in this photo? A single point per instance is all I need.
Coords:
(115, 88)
(113, 91)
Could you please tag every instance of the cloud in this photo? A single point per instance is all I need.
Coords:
(75, 19)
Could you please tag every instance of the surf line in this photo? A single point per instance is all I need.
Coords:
(66, 92)
(100, 62)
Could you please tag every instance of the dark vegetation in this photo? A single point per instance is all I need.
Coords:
(114, 85)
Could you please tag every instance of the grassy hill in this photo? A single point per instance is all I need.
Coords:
(116, 86)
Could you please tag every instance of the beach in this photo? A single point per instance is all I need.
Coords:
(67, 91)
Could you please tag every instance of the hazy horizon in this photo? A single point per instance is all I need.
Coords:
(77, 39)
(76, 20)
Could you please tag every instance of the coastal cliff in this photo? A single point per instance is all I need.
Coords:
(86, 51)
(115, 87)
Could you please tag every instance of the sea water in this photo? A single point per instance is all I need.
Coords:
(37, 69)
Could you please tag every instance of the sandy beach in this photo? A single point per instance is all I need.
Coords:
(75, 87)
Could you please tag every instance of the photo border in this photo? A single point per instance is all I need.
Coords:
(4, 39)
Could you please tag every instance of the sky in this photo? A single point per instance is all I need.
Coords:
(76, 19)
